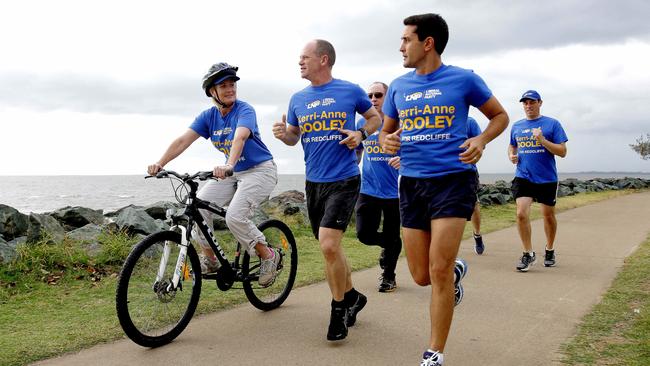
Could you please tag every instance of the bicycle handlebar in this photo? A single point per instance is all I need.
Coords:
(201, 175)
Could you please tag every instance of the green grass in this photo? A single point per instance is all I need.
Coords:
(617, 331)
(56, 298)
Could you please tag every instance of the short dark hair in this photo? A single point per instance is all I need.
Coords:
(430, 25)
(323, 47)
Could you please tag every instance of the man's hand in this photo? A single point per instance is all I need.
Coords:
(395, 162)
(473, 150)
(392, 142)
(513, 158)
(280, 128)
(537, 134)
(352, 140)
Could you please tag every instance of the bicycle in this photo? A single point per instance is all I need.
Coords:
(159, 285)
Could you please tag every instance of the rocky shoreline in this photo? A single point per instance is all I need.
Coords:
(85, 225)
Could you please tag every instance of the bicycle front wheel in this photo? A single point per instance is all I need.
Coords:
(150, 310)
(279, 237)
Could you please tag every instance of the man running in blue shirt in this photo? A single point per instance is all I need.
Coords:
(379, 197)
(322, 118)
(426, 116)
(473, 129)
(534, 143)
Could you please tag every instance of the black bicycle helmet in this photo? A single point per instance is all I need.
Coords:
(217, 74)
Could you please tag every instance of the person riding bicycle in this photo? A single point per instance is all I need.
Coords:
(231, 125)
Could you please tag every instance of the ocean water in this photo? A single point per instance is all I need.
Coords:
(47, 193)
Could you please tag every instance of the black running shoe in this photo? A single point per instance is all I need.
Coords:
(527, 260)
(387, 284)
(549, 258)
(479, 247)
(338, 328)
(355, 308)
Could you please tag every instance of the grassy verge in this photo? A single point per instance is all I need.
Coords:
(617, 331)
(57, 299)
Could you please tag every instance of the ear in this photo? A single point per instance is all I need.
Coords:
(324, 60)
(429, 44)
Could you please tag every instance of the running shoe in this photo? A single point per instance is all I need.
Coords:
(527, 260)
(387, 284)
(479, 247)
(355, 308)
(460, 270)
(338, 328)
(268, 269)
(431, 359)
(549, 258)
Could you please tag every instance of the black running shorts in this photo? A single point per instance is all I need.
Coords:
(424, 199)
(331, 204)
(544, 193)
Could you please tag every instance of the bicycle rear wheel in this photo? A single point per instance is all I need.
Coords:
(278, 236)
(152, 313)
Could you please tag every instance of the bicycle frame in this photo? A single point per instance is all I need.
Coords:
(227, 273)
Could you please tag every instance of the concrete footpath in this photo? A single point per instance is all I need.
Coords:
(506, 317)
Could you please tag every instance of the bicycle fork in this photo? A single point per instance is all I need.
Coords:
(180, 262)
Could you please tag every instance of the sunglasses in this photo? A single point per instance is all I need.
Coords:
(377, 95)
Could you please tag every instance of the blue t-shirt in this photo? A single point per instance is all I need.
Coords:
(378, 179)
(535, 163)
(319, 111)
(221, 130)
(473, 129)
(432, 111)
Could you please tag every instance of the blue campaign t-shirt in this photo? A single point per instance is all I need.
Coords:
(535, 163)
(473, 130)
(378, 179)
(221, 131)
(320, 111)
(432, 112)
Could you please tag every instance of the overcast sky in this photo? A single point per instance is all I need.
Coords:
(90, 87)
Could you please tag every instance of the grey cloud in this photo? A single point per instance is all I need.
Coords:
(83, 93)
(479, 27)
(173, 96)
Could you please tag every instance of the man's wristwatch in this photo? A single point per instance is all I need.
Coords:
(364, 133)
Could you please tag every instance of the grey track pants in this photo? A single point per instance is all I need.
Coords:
(242, 193)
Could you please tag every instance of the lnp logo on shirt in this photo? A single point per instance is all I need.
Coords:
(325, 102)
(413, 96)
(225, 131)
(432, 93)
(313, 104)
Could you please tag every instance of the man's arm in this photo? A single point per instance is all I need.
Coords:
(289, 134)
(389, 137)
(499, 119)
(512, 154)
(555, 149)
(373, 120)
(354, 138)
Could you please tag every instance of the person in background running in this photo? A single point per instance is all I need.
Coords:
(322, 118)
(425, 115)
(473, 129)
(379, 197)
(248, 176)
(534, 143)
